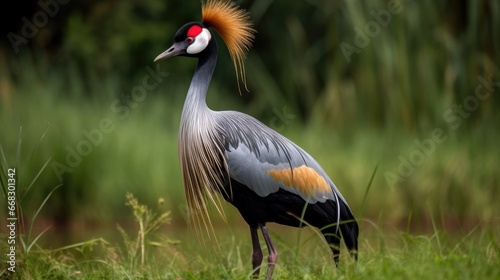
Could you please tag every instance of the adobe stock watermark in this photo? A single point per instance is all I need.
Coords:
(281, 119)
(371, 29)
(40, 19)
(454, 118)
(122, 107)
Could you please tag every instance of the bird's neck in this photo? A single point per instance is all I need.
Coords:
(196, 96)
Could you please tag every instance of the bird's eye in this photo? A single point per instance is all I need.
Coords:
(189, 40)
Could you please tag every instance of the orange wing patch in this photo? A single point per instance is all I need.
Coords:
(304, 179)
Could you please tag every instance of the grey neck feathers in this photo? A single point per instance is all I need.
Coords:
(200, 151)
(196, 97)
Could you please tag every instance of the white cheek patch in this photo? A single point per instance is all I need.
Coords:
(200, 42)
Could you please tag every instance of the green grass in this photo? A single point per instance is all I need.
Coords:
(384, 254)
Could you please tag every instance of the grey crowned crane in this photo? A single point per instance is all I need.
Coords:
(263, 174)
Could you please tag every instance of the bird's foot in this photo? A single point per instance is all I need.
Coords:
(271, 263)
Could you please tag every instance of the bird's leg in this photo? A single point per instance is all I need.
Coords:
(257, 252)
(273, 254)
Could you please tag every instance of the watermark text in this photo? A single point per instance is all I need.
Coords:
(11, 219)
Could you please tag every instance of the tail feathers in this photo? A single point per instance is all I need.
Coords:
(349, 229)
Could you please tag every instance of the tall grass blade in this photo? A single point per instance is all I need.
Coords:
(367, 190)
(27, 250)
(32, 156)
(18, 151)
(81, 244)
(3, 175)
(299, 236)
(408, 222)
(34, 179)
(436, 234)
(38, 212)
(464, 239)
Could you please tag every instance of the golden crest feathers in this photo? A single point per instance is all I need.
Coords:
(234, 26)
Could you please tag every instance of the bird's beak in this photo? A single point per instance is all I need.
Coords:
(175, 50)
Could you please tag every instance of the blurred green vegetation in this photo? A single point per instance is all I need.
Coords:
(81, 68)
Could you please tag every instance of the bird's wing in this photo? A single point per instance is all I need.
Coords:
(266, 161)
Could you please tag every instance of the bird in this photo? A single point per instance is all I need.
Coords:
(232, 155)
